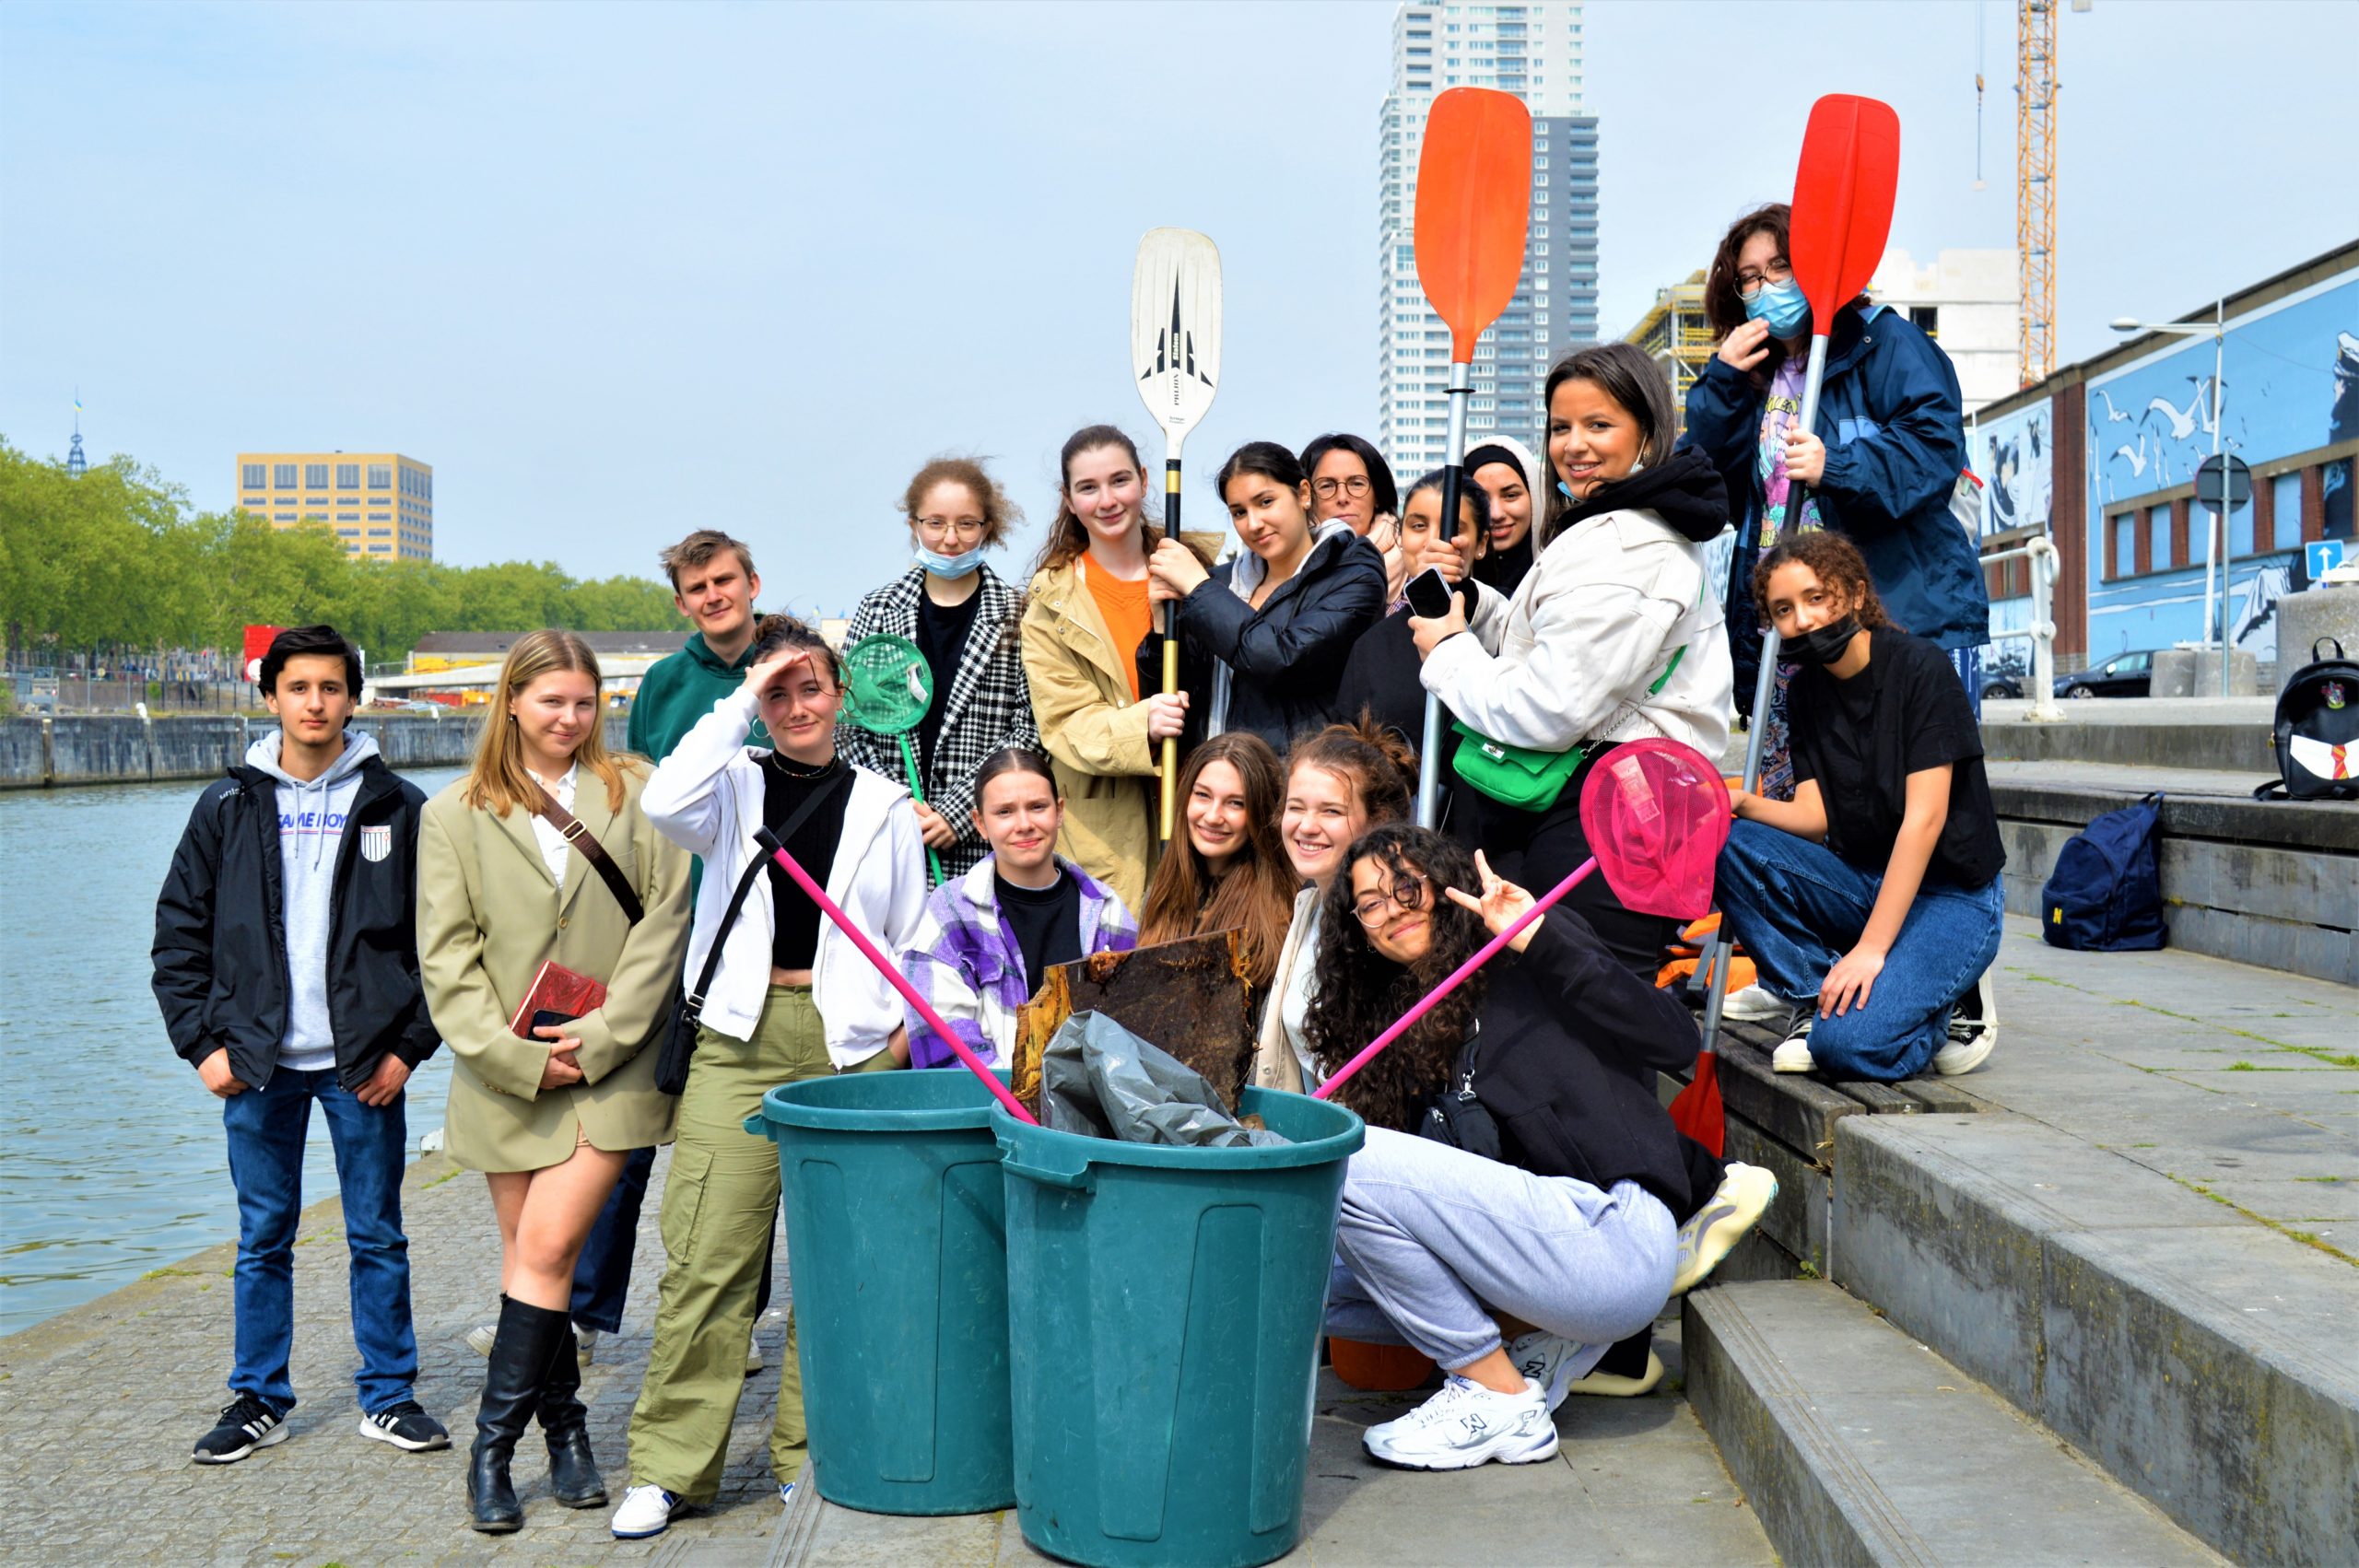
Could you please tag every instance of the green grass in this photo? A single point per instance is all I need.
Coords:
(2307, 1238)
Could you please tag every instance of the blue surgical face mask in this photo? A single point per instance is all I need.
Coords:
(956, 565)
(1783, 305)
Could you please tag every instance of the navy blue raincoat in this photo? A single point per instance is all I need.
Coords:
(1890, 413)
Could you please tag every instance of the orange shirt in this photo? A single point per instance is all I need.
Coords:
(1127, 615)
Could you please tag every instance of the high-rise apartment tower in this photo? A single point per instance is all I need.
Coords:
(1535, 52)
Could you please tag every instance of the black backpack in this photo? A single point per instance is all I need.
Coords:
(2106, 893)
(2317, 739)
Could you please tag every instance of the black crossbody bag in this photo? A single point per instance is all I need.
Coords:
(679, 1050)
(1457, 1116)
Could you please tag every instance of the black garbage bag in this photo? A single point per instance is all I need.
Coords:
(1099, 1080)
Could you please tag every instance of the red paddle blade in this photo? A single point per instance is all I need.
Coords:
(1473, 201)
(1656, 814)
(1843, 194)
(1696, 1110)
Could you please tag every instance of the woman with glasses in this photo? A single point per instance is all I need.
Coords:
(1516, 1208)
(962, 617)
(1351, 483)
(1280, 620)
(1881, 464)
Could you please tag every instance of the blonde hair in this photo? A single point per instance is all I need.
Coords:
(497, 778)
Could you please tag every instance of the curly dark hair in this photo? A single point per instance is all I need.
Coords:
(1359, 991)
(1837, 562)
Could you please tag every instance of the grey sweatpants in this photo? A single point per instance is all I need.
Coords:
(1432, 1239)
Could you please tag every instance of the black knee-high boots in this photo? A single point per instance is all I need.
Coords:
(522, 1351)
(573, 1469)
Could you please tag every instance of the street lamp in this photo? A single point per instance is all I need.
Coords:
(2215, 548)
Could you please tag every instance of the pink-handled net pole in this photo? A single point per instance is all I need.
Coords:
(1457, 977)
(894, 977)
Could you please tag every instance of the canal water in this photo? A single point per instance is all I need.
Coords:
(114, 1162)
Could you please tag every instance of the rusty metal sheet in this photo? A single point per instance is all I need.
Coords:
(1188, 998)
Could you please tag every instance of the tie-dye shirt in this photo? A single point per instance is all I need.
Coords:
(1778, 415)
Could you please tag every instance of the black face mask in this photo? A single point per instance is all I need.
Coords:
(1821, 645)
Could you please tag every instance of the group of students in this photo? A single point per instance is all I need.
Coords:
(1522, 1207)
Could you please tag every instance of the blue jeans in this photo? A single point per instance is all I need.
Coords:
(602, 1274)
(267, 1128)
(1798, 908)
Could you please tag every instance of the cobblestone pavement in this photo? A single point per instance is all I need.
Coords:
(100, 1406)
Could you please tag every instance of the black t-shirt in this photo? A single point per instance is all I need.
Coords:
(1046, 923)
(794, 938)
(1861, 738)
(942, 638)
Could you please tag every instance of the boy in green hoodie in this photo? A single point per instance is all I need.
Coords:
(714, 584)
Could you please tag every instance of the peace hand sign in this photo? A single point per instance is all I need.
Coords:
(1502, 903)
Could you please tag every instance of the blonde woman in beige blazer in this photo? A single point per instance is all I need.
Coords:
(548, 1121)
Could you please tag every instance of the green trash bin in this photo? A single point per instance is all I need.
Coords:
(896, 1237)
(1165, 1307)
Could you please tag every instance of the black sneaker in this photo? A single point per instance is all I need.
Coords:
(246, 1424)
(406, 1426)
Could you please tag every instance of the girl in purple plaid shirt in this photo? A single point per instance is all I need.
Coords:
(990, 936)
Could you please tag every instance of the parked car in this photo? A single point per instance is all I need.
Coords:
(2124, 675)
(1995, 687)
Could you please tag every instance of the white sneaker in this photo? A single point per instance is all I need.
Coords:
(646, 1511)
(1615, 1385)
(1465, 1425)
(585, 1342)
(1546, 1359)
(480, 1337)
(1972, 1038)
(1755, 1004)
(1793, 1054)
(1734, 1208)
(753, 1357)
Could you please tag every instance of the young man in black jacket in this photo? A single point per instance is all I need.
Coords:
(287, 968)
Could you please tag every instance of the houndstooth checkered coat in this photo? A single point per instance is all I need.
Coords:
(989, 705)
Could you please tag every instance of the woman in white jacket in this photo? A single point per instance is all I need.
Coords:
(791, 999)
(1613, 635)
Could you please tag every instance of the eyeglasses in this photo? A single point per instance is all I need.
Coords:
(961, 528)
(1408, 892)
(1749, 284)
(1328, 489)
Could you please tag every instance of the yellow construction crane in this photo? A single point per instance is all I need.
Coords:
(2036, 86)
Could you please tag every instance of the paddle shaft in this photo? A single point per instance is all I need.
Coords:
(893, 977)
(1170, 768)
(1461, 393)
(1483, 956)
(1764, 685)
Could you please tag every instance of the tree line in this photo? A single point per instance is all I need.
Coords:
(116, 561)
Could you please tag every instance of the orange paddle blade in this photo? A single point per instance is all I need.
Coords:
(1843, 196)
(1473, 204)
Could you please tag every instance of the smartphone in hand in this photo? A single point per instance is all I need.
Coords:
(1429, 595)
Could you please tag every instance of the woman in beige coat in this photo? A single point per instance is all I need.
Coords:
(549, 1120)
(1087, 613)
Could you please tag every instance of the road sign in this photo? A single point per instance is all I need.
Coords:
(2207, 483)
(2321, 556)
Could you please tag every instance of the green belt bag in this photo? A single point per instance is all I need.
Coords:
(1520, 776)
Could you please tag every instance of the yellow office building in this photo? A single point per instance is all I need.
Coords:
(381, 504)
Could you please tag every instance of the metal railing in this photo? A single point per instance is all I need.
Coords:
(2040, 551)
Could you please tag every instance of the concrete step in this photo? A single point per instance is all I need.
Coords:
(1856, 1445)
(2206, 1360)
(2222, 733)
(2274, 884)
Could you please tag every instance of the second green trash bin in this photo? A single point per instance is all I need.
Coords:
(1164, 1309)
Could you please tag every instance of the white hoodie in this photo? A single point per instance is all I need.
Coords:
(312, 815)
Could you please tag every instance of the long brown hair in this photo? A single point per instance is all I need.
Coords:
(1632, 378)
(1838, 565)
(1068, 535)
(1359, 991)
(497, 778)
(1256, 893)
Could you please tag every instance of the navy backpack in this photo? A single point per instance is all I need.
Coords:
(2106, 893)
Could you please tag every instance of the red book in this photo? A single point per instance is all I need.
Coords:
(556, 995)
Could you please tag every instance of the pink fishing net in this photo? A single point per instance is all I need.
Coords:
(1656, 813)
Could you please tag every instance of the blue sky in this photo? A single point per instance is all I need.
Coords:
(619, 271)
